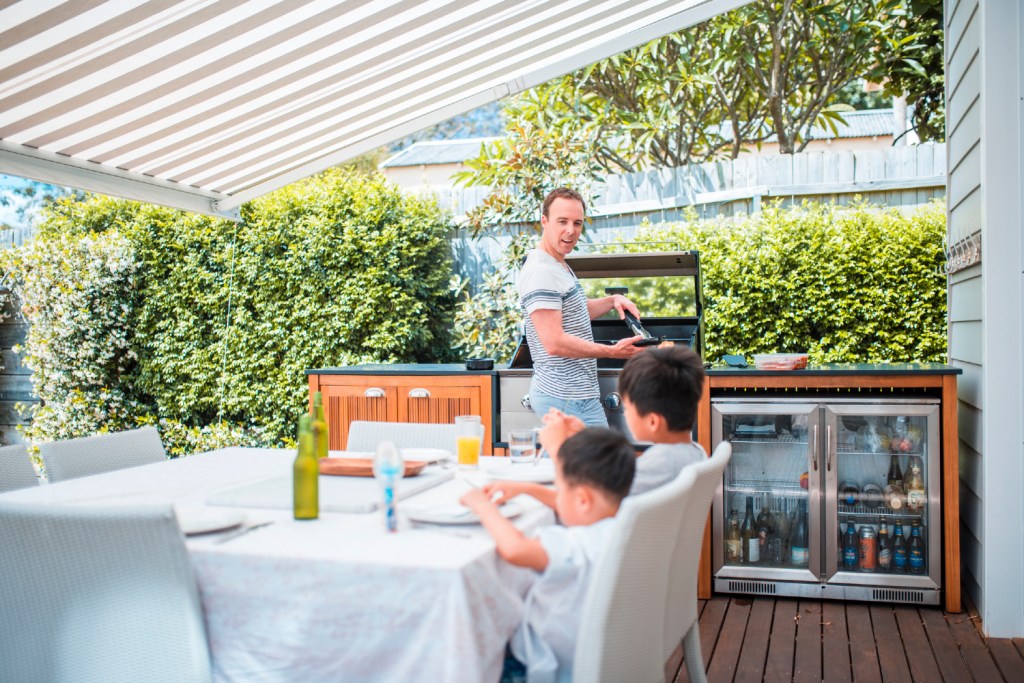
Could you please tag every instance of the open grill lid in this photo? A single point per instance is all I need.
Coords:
(681, 329)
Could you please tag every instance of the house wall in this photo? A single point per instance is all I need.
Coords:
(983, 90)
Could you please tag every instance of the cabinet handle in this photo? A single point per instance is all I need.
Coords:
(828, 448)
(814, 442)
(419, 393)
(374, 392)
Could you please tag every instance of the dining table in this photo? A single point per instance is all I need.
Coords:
(338, 598)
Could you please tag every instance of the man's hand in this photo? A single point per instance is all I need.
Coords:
(624, 348)
(621, 303)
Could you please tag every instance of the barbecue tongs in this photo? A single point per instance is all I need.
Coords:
(637, 329)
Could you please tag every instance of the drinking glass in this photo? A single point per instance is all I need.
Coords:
(522, 446)
(469, 434)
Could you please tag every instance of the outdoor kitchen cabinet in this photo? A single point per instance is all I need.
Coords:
(402, 393)
(830, 393)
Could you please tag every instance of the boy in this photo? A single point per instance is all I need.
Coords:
(593, 473)
(660, 390)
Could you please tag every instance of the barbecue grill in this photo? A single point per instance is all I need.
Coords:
(666, 287)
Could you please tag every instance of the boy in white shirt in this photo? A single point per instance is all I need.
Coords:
(660, 390)
(593, 473)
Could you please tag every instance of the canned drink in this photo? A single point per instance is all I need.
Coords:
(868, 549)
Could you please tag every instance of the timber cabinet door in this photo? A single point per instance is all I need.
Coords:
(344, 403)
(402, 398)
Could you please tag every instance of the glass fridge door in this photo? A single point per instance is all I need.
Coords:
(883, 524)
(766, 512)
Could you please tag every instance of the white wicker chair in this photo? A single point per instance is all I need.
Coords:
(16, 470)
(101, 453)
(632, 609)
(681, 617)
(98, 594)
(364, 435)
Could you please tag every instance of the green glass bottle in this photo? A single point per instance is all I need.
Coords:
(306, 475)
(320, 441)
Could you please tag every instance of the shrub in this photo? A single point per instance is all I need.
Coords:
(850, 284)
(334, 270)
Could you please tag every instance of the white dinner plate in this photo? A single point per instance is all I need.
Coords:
(457, 514)
(541, 473)
(197, 520)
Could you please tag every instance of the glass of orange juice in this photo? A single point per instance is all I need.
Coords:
(468, 441)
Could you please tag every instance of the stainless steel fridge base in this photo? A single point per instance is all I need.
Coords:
(818, 591)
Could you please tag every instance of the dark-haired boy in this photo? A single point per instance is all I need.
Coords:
(593, 473)
(660, 391)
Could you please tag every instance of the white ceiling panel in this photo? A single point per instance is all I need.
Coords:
(206, 104)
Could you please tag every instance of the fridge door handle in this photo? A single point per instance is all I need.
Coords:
(814, 460)
(828, 449)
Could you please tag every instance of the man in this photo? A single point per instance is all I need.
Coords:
(558, 315)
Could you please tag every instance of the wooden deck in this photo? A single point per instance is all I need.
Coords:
(766, 639)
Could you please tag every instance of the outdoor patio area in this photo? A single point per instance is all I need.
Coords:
(755, 639)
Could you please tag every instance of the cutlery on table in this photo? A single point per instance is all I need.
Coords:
(241, 532)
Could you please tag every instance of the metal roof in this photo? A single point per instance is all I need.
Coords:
(206, 104)
(433, 152)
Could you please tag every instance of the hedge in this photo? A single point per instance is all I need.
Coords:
(335, 270)
(846, 284)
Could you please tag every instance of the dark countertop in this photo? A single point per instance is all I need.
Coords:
(402, 369)
(718, 370)
(845, 369)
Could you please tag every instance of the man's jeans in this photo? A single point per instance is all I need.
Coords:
(587, 409)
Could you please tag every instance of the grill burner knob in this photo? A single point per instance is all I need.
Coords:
(525, 402)
(612, 401)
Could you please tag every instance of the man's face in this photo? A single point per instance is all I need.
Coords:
(562, 226)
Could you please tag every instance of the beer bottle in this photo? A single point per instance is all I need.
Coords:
(306, 475)
(899, 548)
(733, 542)
(764, 530)
(884, 546)
(319, 426)
(849, 493)
(914, 484)
(748, 536)
(894, 498)
(851, 546)
(798, 541)
(915, 549)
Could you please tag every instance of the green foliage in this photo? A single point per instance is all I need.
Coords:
(768, 67)
(913, 64)
(844, 284)
(334, 270)
(521, 170)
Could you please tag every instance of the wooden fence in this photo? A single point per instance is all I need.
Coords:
(904, 177)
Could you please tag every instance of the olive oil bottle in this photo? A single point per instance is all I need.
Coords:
(306, 475)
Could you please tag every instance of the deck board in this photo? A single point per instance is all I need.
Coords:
(750, 639)
(835, 643)
(781, 642)
(863, 652)
(915, 642)
(730, 640)
(750, 668)
(807, 658)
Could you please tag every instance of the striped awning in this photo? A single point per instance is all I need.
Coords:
(206, 104)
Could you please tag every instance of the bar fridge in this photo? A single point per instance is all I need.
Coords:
(831, 498)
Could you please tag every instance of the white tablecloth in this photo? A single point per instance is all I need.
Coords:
(338, 598)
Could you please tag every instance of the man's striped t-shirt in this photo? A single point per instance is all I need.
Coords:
(545, 283)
